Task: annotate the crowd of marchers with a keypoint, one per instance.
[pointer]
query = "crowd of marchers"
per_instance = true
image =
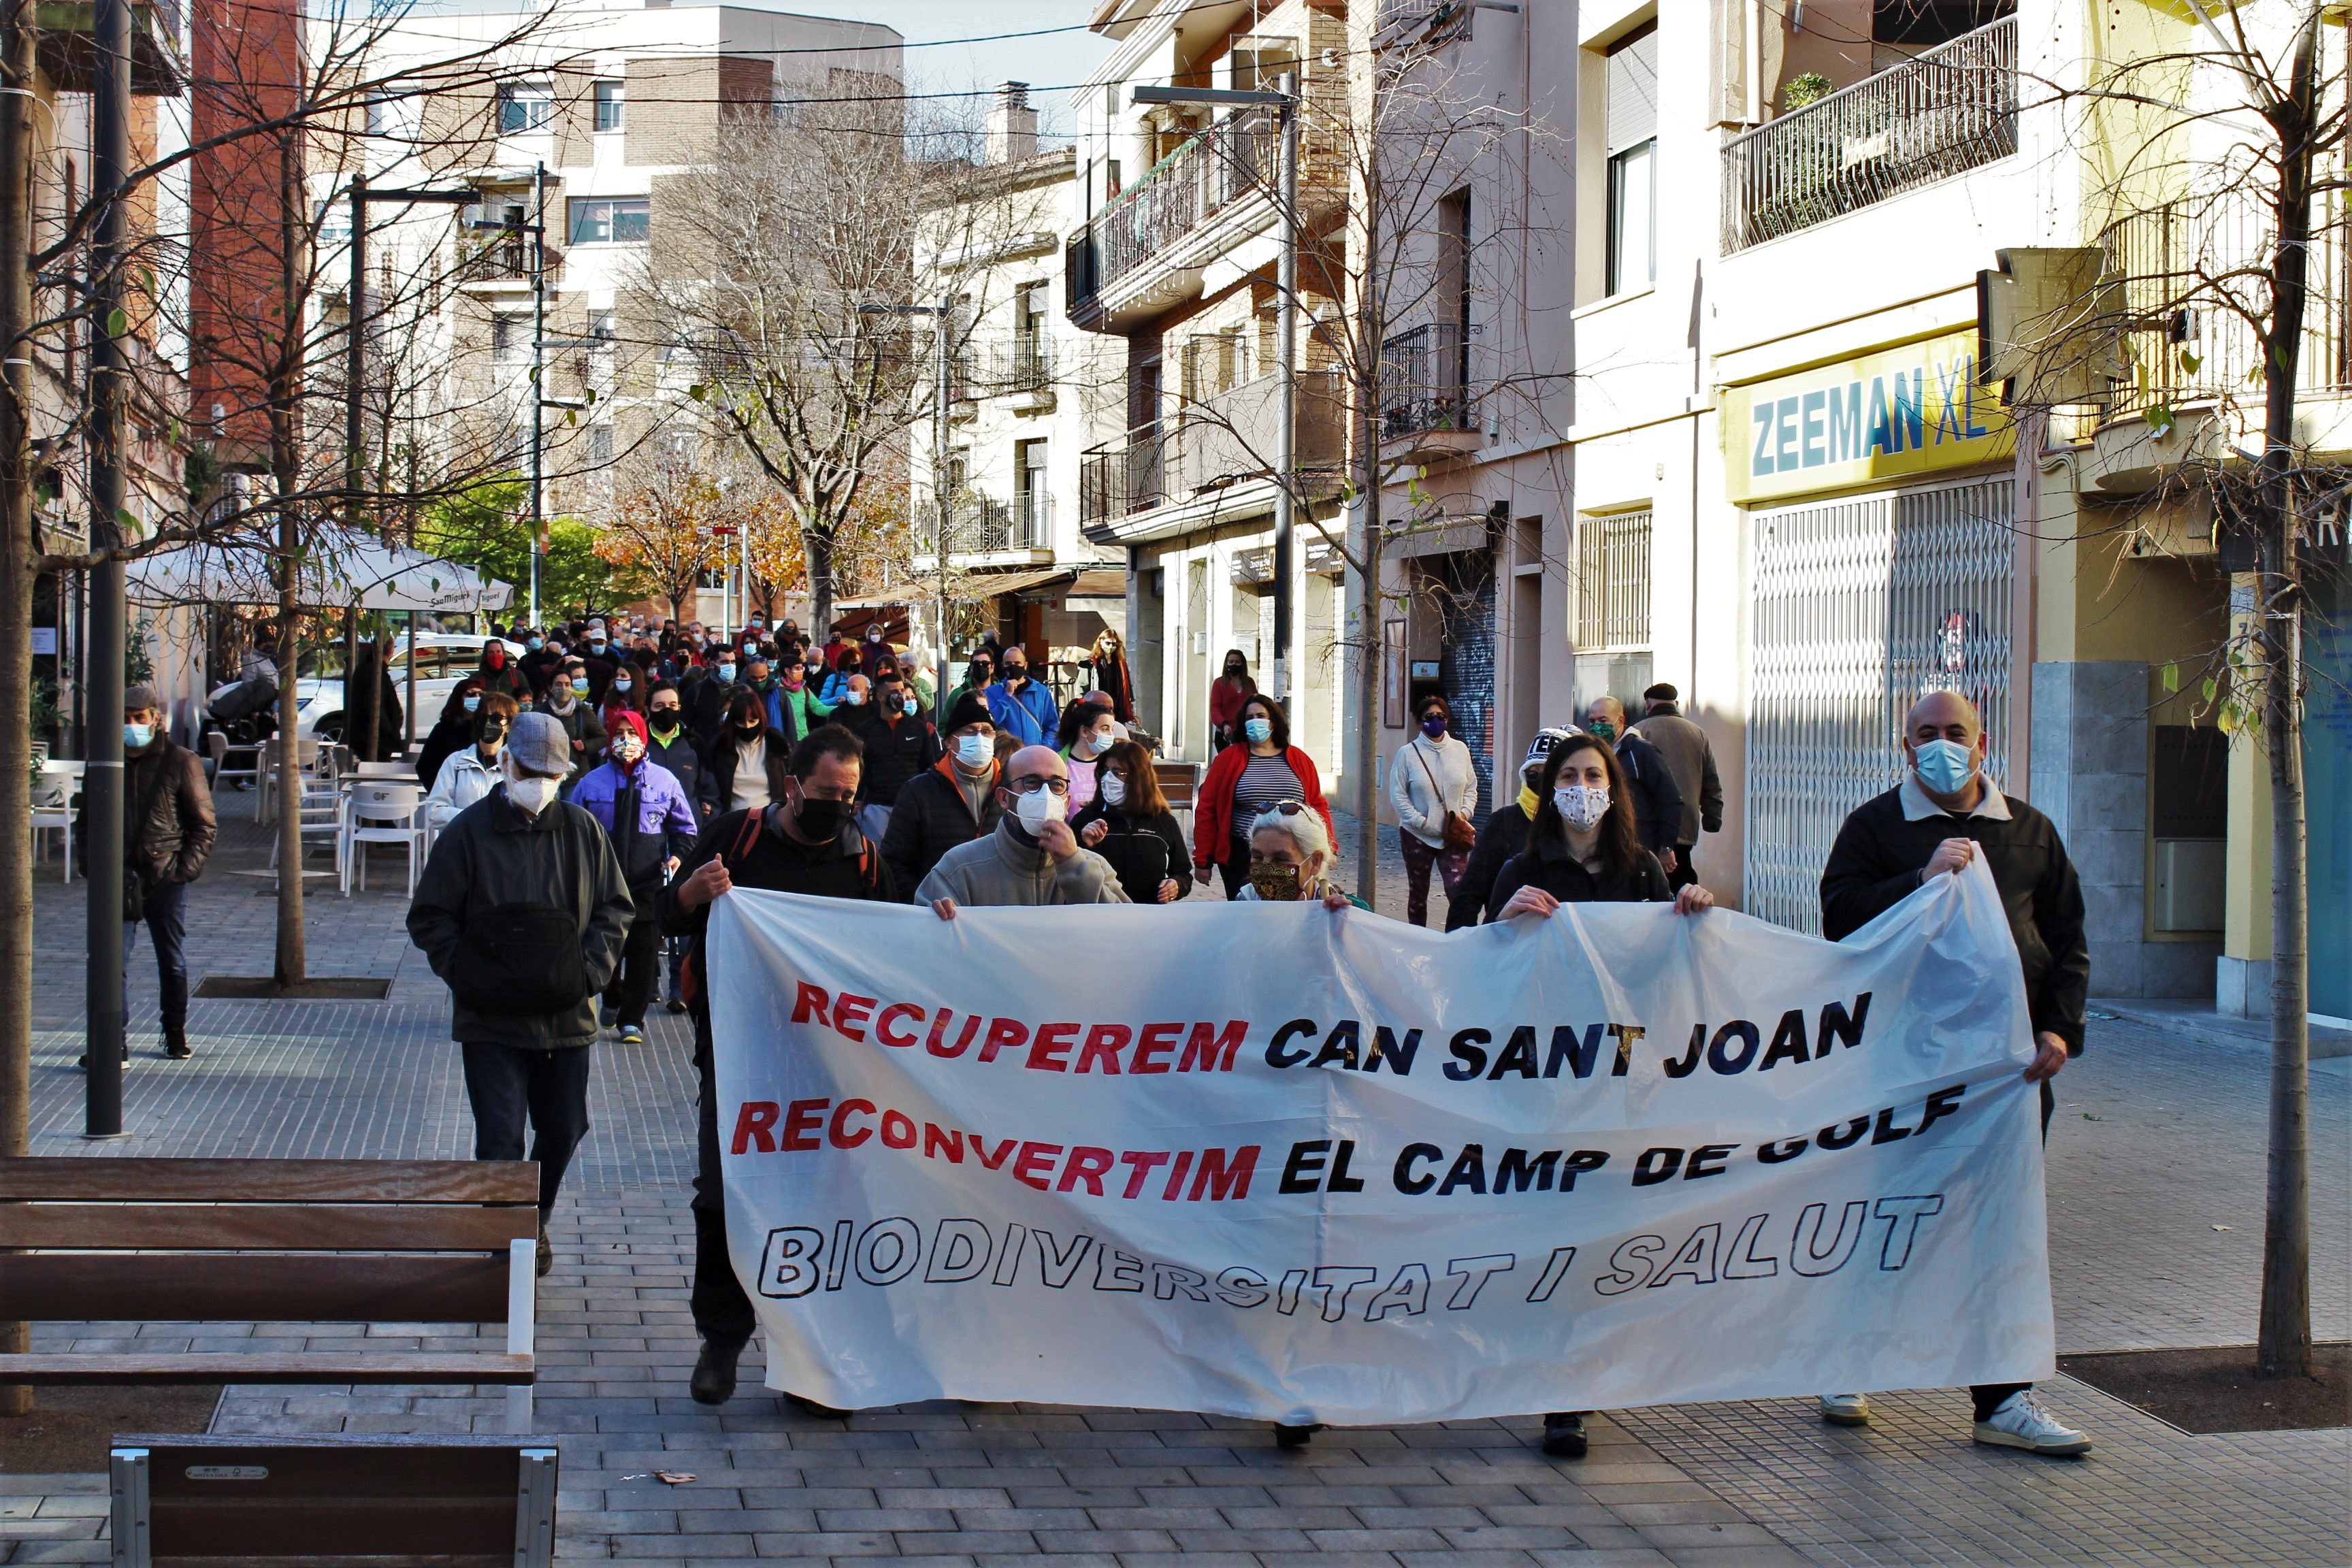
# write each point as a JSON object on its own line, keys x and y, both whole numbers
{"x": 595, "y": 796}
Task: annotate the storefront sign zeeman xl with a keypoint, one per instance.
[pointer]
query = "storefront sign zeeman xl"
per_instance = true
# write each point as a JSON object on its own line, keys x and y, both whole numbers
{"x": 1902, "y": 411}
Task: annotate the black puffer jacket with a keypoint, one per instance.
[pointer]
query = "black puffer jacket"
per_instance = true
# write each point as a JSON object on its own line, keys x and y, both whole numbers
{"x": 930, "y": 819}
{"x": 776, "y": 758}
{"x": 172, "y": 843}
{"x": 896, "y": 755}
{"x": 490, "y": 855}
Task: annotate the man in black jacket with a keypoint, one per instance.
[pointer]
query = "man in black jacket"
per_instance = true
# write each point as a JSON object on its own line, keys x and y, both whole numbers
{"x": 952, "y": 803}
{"x": 900, "y": 746}
{"x": 1943, "y": 815}
{"x": 1657, "y": 803}
{"x": 807, "y": 843}
{"x": 522, "y": 910}
{"x": 1505, "y": 834}
{"x": 169, "y": 832}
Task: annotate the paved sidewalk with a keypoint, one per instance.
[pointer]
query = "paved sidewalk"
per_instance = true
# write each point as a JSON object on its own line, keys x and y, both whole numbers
{"x": 2155, "y": 1227}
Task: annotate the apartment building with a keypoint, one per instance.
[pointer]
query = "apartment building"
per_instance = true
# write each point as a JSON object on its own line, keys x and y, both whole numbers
{"x": 1002, "y": 477}
{"x": 593, "y": 107}
{"x": 1797, "y": 496}
{"x": 1172, "y": 265}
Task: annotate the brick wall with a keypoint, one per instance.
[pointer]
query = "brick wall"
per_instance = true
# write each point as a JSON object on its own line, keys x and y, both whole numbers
{"x": 676, "y": 103}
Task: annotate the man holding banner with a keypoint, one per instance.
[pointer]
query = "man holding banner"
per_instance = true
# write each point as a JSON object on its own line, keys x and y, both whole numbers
{"x": 1943, "y": 816}
{"x": 807, "y": 843}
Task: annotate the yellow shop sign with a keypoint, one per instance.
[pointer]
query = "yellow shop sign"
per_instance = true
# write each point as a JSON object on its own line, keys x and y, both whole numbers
{"x": 1900, "y": 411}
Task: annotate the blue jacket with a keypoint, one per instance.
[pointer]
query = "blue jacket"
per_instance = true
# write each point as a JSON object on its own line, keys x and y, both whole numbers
{"x": 1032, "y": 717}
{"x": 666, "y": 823}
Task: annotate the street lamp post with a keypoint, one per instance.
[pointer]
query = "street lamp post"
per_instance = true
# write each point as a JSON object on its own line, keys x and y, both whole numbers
{"x": 1285, "y": 103}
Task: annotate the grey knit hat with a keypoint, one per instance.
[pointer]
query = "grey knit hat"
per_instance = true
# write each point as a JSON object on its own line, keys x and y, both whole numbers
{"x": 539, "y": 745}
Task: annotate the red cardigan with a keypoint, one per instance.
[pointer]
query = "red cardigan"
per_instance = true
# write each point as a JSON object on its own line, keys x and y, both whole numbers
{"x": 1212, "y": 811}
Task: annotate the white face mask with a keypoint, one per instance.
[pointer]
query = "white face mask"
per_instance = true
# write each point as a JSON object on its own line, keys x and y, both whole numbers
{"x": 1113, "y": 789}
{"x": 530, "y": 792}
{"x": 1581, "y": 806}
{"x": 974, "y": 752}
{"x": 1039, "y": 807}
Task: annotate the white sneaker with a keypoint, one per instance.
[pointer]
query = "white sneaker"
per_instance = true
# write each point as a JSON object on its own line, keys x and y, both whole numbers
{"x": 2022, "y": 1422}
{"x": 1846, "y": 1409}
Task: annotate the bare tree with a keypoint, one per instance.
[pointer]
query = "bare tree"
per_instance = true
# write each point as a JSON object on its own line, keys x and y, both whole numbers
{"x": 786, "y": 268}
{"x": 2213, "y": 302}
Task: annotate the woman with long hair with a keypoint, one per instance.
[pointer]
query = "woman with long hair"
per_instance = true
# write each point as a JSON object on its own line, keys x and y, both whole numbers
{"x": 1127, "y": 823}
{"x": 1226, "y": 695}
{"x": 1583, "y": 849}
{"x": 1111, "y": 676}
{"x": 1245, "y": 778}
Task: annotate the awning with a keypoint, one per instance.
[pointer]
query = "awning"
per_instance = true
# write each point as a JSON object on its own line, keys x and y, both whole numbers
{"x": 342, "y": 567}
{"x": 971, "y": 585}
{"x": 1100, "y": 583}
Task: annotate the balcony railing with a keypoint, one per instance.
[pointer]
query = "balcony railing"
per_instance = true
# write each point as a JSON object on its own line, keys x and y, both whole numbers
{"x": 1217, "y": 442}
{"x": 1947, "y": 110}
{"x": 2195, "y": 274}
{"x": 984, "y": 525}
{"x": 1185, "y": 190}
{"x": 1423, "y": 383}
{"x": 1025, "y": 364}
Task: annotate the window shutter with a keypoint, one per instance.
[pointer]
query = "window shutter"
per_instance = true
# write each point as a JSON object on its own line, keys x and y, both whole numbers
{"x": 1633, "y": 92}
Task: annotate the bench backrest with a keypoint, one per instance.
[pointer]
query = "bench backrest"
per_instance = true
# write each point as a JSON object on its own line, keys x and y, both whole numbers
{"x": 483, "y": 1501}
{"x": 280, "y": 1240}
{"x": 1180, "y": 782}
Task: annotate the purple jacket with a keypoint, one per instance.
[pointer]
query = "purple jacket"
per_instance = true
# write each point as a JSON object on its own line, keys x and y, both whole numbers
{"x": 665, "y": 825}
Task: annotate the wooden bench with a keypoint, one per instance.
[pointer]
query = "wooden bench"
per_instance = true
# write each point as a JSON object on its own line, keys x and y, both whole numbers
{"x": 478, "y": 1502}
{"x": 1180, "y": 782}
{"x": 405, "y": 1241}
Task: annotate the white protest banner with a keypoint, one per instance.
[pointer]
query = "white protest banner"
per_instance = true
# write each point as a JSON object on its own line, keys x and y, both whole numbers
{"x": 1286, "y": 1162}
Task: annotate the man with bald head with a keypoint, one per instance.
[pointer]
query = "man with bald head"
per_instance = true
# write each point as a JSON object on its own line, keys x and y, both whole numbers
{"x": 1945, "y": 813}
{"x": 1032, "y": 858}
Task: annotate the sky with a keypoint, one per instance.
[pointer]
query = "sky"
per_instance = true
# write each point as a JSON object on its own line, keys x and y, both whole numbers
{"x": 1054, "y": 60}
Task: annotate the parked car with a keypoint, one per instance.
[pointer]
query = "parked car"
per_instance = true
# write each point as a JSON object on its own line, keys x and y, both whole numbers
{"x": 443, "y": 658}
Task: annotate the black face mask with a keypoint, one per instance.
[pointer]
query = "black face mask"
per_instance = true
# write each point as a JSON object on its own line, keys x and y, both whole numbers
{"x": 490, "y": 730}
{"x": 1015, "y": 672}
{"x": 821, "y": 820}
{"x": 747, "y": 730}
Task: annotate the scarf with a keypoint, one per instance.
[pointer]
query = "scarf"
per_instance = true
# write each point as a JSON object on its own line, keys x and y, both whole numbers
{"x": 1528, "y": 801}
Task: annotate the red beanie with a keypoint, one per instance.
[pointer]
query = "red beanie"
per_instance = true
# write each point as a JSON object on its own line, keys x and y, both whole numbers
{"x": 629, "y": 719}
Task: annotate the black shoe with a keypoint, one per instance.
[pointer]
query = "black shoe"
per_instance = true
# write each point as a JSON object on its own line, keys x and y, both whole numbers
{"x": 675, "y": 1005}
{"x": 175, "y": 1045}
{"x": 1295, "y": 1436}
{"x": 714, "y": 1374}
{"x": 546, "y": 1253}
{"x": 808, "y": 1406}
{"x": 1564, "y": 1434}
{"x": 82, "y": 1061}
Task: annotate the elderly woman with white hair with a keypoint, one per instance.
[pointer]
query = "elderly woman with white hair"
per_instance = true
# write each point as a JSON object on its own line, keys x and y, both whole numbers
{"x": 1290, "y": 858}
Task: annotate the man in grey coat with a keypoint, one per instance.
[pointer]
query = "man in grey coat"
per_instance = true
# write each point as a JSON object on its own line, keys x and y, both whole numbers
{"x": 522, "y": 910}
{"x": 1032, "y": 858}
{"x": 1691, "y": 760}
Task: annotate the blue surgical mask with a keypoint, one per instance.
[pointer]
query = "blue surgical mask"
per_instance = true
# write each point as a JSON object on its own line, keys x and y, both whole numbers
{"x": 580, "y": 684}
{"x": 726, "y": 672}
{"x": 535, "y": 644}
{"x": 472, "y": 703}
{"x": 1259, "y": 730}
{"x": 908, "y": 707}
{"x": 138, "y": 737}
{"x": 975, "y": 751}
{"x": 1944, "y": 767}
{"x": 621, "y": 683}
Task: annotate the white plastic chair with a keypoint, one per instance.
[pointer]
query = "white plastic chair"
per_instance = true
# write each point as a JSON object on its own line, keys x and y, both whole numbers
{"x": 319, "y": 809}
{"x": 381, "y": 812}
{"x": 247, "y": 768}
{"x": 53, "y": 806}
{"x": 384, "y": 770}
{"x": 309, "y": 758}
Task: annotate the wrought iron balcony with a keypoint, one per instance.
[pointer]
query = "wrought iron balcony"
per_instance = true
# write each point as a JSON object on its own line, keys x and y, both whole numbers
{"x": 1423, "y": 382}
{"x": 1184, "y": 191}
{"x": 1947, "y": 110}
{"x": 1210, "y": 445}
{"x": 984, "y": 525}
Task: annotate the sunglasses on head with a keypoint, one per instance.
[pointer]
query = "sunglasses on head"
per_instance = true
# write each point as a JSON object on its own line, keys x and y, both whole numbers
{"x": 1287, "y": 807}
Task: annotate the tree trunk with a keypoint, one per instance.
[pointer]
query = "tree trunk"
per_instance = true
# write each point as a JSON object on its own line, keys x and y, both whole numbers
{"x": 2284, "y": 1341}
{"x": 292, "y": 967}
{"x": 818, "y": 547}
{"x": 19, "y": 554}
{"x": 1372, "y": 644}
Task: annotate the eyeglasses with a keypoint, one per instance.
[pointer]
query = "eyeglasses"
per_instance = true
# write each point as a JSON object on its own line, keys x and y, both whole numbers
{"x": 1031, "y": 785}
{"x": 1287, "y": 807}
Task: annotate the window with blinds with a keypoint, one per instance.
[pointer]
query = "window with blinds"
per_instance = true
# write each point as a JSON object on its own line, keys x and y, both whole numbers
{"x": 1632, "y": 139}
{"x": 1613, "y": 583}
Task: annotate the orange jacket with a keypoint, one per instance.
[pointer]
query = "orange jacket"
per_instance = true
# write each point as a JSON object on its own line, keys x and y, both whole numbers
{"x": 1213, "y": 812}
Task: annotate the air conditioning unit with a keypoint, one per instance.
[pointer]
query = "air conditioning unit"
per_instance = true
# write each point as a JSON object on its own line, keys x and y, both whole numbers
{"x": 2190, "y": 893}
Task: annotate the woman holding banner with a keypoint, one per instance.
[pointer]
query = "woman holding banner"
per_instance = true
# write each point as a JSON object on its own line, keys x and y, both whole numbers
{"x": 1581, "y": 848}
